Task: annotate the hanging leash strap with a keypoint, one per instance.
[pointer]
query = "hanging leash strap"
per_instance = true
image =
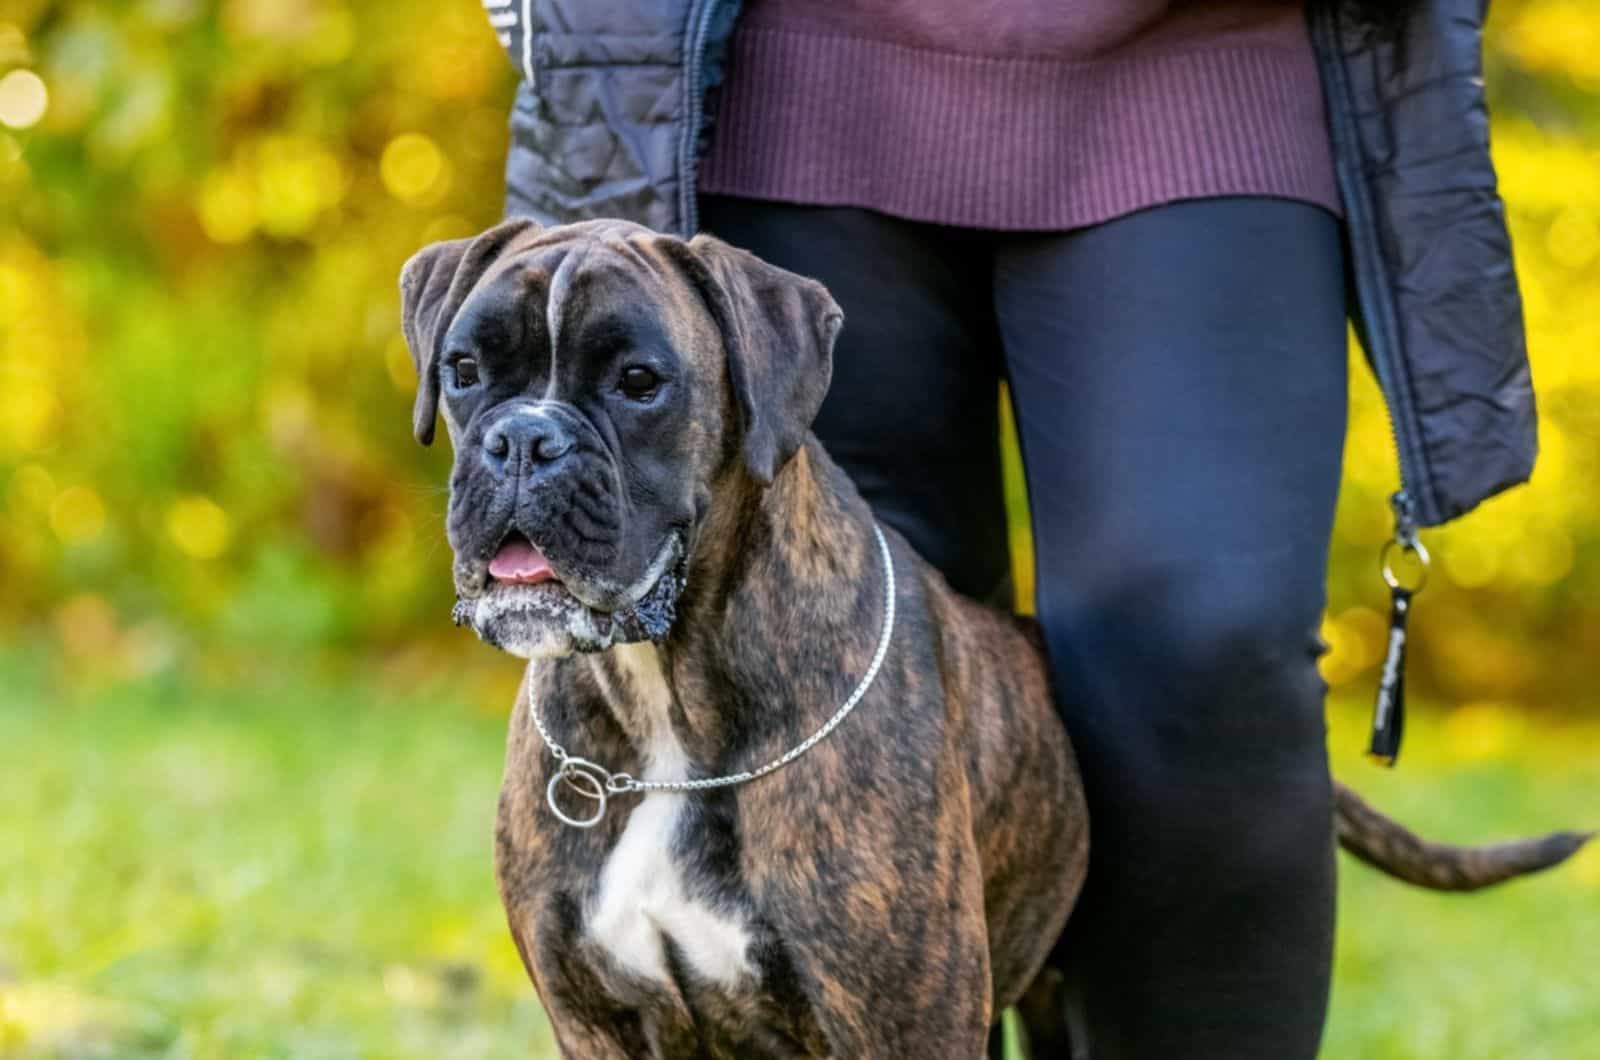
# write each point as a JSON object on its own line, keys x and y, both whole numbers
{"x": 1404, "y": 565}
{"x": 595, "y": 783}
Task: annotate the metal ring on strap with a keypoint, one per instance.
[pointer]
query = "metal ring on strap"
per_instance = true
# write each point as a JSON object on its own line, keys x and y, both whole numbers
{"x": 1411, "y": 547}
{"x": 583, "y": 777}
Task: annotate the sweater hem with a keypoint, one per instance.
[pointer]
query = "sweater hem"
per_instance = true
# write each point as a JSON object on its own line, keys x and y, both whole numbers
{"x": 1025, "y": 144}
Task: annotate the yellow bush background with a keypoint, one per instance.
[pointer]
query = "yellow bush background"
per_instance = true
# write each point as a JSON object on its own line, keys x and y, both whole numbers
{"x": 203, "y": 391}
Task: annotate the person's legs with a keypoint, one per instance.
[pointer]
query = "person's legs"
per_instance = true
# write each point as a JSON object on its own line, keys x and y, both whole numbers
{"x": 912, "y": 411}
{"x": 1179, "y": 377}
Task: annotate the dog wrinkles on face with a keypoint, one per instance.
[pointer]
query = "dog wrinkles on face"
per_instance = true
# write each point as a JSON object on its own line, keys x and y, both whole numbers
{"x": 642, "y": 895}
{"x": 555, "y": 302}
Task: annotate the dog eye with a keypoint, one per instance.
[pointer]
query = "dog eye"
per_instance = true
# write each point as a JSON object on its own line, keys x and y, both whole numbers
{"x": 466, "y": 372}
{"x": 638, "y": 382}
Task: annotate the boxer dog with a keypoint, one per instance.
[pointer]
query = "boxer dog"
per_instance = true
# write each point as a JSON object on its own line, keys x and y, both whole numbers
{"x": 772, "y": 789}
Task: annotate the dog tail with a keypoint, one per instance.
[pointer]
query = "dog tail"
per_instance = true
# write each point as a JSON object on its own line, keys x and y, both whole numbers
{"x": 1390, "y": 847}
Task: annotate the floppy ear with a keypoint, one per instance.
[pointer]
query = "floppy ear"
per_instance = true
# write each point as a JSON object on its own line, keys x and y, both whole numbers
{"x": 424, "y": 284}
{"x": 433, "y": 285}
{"x": 778, "y": 330}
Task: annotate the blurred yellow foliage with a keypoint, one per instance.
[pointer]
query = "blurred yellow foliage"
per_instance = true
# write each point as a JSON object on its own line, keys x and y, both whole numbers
{"x": 199, "y": 527}
{"x": 1481, "y": 731}
{"x": 227, "y": 205}
{"x": 78, "y": 514}
{"x": 1561, "y": 38}
{"x": 1586, "y": 866}
{"x": 206, "y": 208}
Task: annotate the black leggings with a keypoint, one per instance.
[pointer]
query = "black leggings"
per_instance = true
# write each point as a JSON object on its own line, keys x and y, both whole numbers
{"x": 1179, "y": 382}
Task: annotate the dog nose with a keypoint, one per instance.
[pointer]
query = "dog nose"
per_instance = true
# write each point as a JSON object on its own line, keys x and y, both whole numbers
{"x": 525, "y": 442}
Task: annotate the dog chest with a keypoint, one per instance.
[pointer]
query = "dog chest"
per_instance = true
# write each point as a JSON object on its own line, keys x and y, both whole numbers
{"x": 644, "y": 899}
{"x": 645, "y": 896}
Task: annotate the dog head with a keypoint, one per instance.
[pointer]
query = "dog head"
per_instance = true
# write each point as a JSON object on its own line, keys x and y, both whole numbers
{"x": 599, "y": 381}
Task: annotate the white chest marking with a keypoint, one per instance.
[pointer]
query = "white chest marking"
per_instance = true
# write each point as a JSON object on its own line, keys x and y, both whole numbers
{"x": 642, "y": 894}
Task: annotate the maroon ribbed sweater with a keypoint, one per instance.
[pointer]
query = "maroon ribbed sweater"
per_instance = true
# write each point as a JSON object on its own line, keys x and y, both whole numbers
{"x": 1020, "y": 114}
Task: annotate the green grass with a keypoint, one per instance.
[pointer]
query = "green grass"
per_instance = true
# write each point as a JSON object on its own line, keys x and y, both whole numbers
{"x": 295, "y": 869}
{"x": 299, "y": 866}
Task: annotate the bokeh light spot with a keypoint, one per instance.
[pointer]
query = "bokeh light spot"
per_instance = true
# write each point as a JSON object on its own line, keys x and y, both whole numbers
{"x": 284, "y": 21}
{"x": 1338, "y": 664}
{"x": 298, "y": 180}
{"x": 333, "y": 38}
{"x": 1573, "y": 238}
{"x": 1471, "y": 562}
{"x": 77, "y": 515}
{"x": 199, "y": 527}
{"x": 227, "y": 206}
{"x": 23, "y": 99}
{"x": 1366, "y": 633}
{"x": 411, "y": 166}
{"x": 1356, "y": 638}
{"x": 1544, "y": 558}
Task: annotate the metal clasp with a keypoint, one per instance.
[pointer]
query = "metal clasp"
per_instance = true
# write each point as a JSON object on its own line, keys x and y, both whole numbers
{"x": 1405, "y": 543}
{"x": 590, "y": 780}
{"x": 1420, "y": 560}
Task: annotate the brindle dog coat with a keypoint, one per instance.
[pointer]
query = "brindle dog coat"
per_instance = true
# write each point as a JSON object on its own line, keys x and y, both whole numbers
{"x": 698, "y": 588}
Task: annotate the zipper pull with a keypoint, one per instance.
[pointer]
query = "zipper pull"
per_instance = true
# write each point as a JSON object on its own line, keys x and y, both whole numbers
{"x": 1389, "y": 713}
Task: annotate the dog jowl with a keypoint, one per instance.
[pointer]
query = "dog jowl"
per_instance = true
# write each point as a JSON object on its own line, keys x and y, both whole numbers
{"x": 579, "y": 416}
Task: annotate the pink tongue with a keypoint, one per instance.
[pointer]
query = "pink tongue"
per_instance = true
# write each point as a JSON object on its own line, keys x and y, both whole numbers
{"x": 520, "y": 563}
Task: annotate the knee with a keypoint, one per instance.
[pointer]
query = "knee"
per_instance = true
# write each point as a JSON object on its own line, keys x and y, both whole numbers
{"x": 1195, "y": 709}
{"x": 1192, "y": 666}
{"x": 1210, "y": 629}
{"x": 1212, "y": 809}
{"x": 1197, "y": 712}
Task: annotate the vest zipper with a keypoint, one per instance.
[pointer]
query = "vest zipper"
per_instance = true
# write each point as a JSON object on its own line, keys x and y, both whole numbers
{"x": 1367, "y": 265}
{"x": 1413, "y": 503}
{"x": 698, "y": 24}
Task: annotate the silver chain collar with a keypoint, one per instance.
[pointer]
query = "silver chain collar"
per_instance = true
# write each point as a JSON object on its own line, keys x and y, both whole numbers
{"x": 596, "y": 783}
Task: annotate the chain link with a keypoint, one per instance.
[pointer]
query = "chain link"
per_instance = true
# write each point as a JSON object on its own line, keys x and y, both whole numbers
{"x": 623, "y": 783}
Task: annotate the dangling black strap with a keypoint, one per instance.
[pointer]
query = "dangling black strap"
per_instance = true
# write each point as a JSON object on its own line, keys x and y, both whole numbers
{"x": 1389, "y": 715}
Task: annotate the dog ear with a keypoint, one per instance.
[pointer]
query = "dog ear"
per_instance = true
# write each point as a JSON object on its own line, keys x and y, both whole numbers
{"x": 433, "y": 285}
{"x": 778, "y": 330}
{"x": 424, "y": 284}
